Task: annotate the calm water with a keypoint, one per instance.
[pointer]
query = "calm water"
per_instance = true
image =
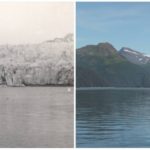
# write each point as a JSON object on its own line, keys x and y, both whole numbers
{"x": 113, "y": 118}
{"x": 36, "y": 117}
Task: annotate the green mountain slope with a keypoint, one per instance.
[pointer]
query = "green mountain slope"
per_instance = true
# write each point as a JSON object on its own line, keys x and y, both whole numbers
{"x": 102, "y": 65}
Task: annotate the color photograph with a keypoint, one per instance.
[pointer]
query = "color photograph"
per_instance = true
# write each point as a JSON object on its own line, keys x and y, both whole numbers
{"x": 113, "y": 74}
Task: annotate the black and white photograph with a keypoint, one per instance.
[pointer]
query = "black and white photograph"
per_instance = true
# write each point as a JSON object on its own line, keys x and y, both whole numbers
{"x": 36, "y": 74}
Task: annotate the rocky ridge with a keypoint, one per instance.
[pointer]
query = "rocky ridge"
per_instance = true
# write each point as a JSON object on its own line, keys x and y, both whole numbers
{"x": 102, "y": 65}
{"x": 134, "y": 56}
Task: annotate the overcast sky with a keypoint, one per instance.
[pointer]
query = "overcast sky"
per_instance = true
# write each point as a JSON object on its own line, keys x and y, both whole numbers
{"x": 122, "y": 24}
{"x": 34, "y": 22}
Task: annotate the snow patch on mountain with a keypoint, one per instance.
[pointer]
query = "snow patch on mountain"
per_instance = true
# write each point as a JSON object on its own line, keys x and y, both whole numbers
{"x": 147, "y": 55}
{"x": 129, "y": 51}
{"x": 134, "y": 56}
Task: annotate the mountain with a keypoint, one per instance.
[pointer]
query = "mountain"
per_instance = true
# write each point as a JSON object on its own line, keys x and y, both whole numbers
{"x": 67, "y": 38}
{"x": 102, "y": 65}
{"x": 46, "y": 63}
{"x": 134, "y": 56}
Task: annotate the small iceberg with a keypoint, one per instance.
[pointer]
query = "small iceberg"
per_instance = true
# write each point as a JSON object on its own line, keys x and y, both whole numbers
{"x": 68, "y": 89}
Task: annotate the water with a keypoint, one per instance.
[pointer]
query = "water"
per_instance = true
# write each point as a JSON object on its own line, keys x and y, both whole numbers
{"x": 113, "y": 117}
{"x": 36, "y": 117}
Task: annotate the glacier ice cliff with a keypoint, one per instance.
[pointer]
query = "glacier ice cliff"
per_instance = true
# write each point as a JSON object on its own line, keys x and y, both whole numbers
{"x": 46, "y": 63}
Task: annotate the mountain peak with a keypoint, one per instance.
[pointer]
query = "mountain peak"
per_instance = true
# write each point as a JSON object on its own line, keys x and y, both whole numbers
{"x": 66, "y": 38}
{"x": 105, "y": 43}
{"x": 134, "y": 56}
{"x": 107, "y": 46}
{"x": 101, "y": 49}
{"x": 129, "y": 50}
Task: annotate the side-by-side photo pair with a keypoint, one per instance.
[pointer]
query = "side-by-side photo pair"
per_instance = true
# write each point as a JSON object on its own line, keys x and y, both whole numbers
{"x": 74, "y": 74}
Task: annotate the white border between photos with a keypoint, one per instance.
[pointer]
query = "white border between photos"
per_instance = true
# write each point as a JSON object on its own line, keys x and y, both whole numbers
{"x": 74, "y": 74}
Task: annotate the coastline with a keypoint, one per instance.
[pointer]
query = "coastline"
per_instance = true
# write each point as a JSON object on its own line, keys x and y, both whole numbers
{"x": 111, "y": 88}
{"x": 5, "y": 86}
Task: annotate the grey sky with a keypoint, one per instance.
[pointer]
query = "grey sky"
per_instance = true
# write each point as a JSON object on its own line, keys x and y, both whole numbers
{"x": 34, "y": 22}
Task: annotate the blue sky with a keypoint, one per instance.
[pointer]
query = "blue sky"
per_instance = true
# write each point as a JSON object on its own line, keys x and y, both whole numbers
{"x": 122, "y": 24}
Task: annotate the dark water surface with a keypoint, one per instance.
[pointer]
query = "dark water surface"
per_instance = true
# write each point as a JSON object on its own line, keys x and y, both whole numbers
{"x": 113, "y": 118}
{"x": 36, "y": 117}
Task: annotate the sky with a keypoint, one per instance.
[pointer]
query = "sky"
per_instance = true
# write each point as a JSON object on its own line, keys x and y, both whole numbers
{"x": 123, "y": 24}
{"x": 34, "y": 22}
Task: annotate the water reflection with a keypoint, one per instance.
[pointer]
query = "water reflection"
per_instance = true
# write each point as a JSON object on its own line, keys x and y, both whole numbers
{"x": 113, "y": 118}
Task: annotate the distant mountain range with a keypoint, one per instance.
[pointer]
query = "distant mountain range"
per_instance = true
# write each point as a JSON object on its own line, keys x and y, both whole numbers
{"x": 45, "y": 63}
{"x": 102, "y": 65}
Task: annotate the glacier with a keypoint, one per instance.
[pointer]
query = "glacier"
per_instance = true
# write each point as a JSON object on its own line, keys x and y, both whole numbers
{"x": 46, "y": 63}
